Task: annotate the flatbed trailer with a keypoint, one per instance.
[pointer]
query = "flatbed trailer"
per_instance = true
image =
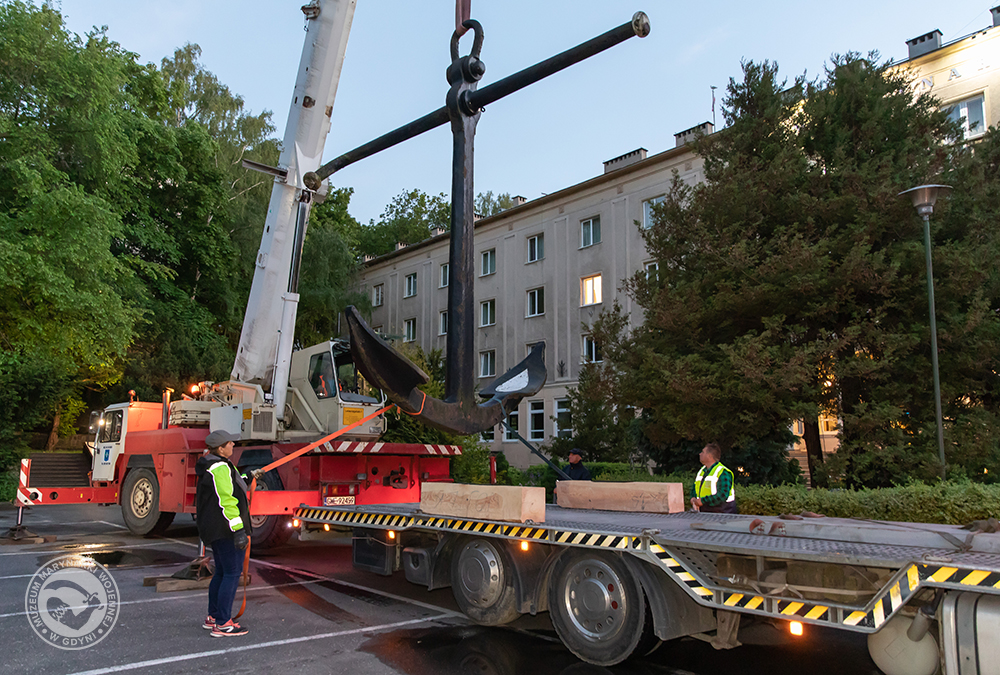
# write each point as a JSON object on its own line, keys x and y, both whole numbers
{"x": 616, "y": 584}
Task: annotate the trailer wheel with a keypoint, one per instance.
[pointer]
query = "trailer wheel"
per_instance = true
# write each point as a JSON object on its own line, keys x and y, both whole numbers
{"x": 141, "y": 503}
{"x": 482, "y": 580}
{"x": 596, "y": 606}
{"x": 269, "y": 531}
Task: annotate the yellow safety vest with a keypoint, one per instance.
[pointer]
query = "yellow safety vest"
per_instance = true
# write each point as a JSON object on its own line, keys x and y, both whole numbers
{"x": 705, "y": 482}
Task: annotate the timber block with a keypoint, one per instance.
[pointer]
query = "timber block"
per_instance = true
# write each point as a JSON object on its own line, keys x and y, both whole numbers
{"x": 607, "y": 496}
{"x": 512, "y": 503}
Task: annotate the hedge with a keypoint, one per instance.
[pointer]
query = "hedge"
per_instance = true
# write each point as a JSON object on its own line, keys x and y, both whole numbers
{"x": 947, "y": 502}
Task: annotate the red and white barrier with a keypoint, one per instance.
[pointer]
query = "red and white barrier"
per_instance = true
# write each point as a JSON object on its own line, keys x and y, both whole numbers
{"x": 27, "y": 496}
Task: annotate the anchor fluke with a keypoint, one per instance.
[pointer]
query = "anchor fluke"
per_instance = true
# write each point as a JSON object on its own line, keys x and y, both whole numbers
{"x": 385, "y": 367}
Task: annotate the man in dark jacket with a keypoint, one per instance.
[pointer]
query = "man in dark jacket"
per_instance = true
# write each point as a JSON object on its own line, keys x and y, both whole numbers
{"x": 223, "y": 516}
{"x": 576, "y": 470}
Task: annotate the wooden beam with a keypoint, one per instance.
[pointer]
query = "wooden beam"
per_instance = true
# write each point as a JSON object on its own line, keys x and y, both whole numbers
{"x": 607, "y": 496}
{"x": 487, "y": 502}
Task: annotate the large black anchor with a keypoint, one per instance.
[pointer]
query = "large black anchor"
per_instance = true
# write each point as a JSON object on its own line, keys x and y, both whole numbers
{"x": 385, "y": 367}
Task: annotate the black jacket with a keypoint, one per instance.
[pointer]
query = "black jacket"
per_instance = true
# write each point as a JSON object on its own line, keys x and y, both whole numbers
{"x": 221, "y": 499}
{"x": 577, "y": 471}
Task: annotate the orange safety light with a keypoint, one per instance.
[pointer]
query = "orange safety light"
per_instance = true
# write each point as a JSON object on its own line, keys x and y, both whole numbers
{"x": 392, "y": 535}
{"x": 195, "y": 389}
{"x": 795, "y": 628}
{"x": 326, "y": 526}
{"x": 295, "y": 522}
{"x": 524, "y": 546}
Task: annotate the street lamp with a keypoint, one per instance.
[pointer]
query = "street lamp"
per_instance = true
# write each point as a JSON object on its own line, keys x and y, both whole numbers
{"x": 924, "y": 198}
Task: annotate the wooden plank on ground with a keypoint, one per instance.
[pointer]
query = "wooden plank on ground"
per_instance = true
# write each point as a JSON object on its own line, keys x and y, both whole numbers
{"x": 607, "y": 496}
{"x": 486, "y": 502}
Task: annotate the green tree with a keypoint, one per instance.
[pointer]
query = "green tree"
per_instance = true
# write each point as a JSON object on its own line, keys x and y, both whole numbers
{"x": 792, "y": 280}
{"x": 487, "y": 205}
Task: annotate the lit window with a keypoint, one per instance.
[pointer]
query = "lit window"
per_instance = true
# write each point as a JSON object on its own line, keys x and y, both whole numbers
{"x": 564, "y": 420}
{"x": 443, "y": 323}
{"x": 409, "y": 330}
{"x": 591, "y": 350}
{"x": 536, "y": 421}
{"x": 378, "y": 295}
{"x": 590, "y": 232}
{"x": 536, "y": 247}
{"x": 515, "y": 426}
{"x": 969, "y": 115}
{"x": 647, "y": 211}
{"x": 410, "y": 285}
{"x": 488, "y": 363}
{"x": 536, "y": 302}
{"x": 487, "y": 313}
{"x": 590, "y": 290}
{"x": 489, "y": 262}
{"x": 445, "y": 275}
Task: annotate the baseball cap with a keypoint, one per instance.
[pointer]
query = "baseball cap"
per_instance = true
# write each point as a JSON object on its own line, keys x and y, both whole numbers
{"x": 576, "y": 451}
{"x": 217, "y": 439}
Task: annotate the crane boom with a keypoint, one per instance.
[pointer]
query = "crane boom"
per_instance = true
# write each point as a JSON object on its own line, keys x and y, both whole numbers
{"x": 266, "y": 340}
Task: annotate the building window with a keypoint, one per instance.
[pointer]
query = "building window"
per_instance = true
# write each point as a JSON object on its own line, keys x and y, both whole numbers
{"x": 652, "y": 270}
{"x": 489, "y": 262}
{"x": 536, "y": 302}
{"x": 536, "y": 247}
{"x": 377, "y": 330}
{"x": 590, "y": 232}
{"x": 487, "y": 313}
{"x": 647, "y": 210}
{"x": 378, "y": 295}
{"x": 564, "y": 419}
{"x": 536, "y": 421}
{"x": 410, "y": 285}
{"x": 488, "y": 363}
{"x": 488, "y": 435}
{"x": 969, "y": 115}
{"x": 409, "y": 330}
{"x": 590, "y": 290}
{"x": 443, "y": 323}
{"x": 445, "y": 275}
{"x": 515, "y": 427}
{"x": 591, "y": 350}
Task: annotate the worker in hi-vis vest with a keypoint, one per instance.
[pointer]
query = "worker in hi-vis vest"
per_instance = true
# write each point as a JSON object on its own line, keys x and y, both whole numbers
{"x": 713, "y": 486}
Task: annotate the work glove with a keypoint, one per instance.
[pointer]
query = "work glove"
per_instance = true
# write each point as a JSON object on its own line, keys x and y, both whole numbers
{"x": 241, "y": 540}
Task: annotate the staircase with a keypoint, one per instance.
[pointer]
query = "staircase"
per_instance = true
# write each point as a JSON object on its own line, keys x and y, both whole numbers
{"x": 59, "y": 469}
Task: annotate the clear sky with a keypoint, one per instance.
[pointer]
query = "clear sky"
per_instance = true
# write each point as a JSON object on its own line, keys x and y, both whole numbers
{"x": 539, "y": 140}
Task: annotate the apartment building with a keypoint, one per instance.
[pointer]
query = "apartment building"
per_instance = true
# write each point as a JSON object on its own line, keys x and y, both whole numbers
{"x": 546, "y": 268}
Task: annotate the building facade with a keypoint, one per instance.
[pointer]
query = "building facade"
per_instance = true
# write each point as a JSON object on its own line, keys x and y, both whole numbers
{"x": 546, "y": 268}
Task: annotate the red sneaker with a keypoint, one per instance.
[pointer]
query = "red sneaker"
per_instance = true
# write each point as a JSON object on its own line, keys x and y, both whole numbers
{"x": 209, "y": 623}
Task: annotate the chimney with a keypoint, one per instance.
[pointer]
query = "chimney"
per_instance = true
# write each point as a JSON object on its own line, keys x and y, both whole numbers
{"x": 519, "y": 200}
{"x": 368, "y": 257}
{"x": 919, "y": 46}
{"x": 625, "y": 160}
{"x": 688, "y": 135}
{"x": 437, "y": 231}
{"x": 996, "y": 16}
{"x": 400, "y": 245}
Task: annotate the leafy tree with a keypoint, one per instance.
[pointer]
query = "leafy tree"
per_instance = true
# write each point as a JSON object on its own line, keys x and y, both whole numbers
{"x": 792, "y": 280}
{"x": 408, "y": 219}
{"x": 487, "y": 205}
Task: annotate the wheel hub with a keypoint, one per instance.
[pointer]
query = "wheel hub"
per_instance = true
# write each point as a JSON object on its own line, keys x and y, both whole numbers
{"x": 481, "y": 573}
{"x": 142, "y": 498}
{"x": 594, "y": 599}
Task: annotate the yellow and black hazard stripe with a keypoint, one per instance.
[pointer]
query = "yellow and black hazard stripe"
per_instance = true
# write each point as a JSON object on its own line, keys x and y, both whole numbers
{"x": 592, "y": 540}
{"x": 956, "y": 577}
{"x": 678, "y": 571}
{"x": 314, "y": 515}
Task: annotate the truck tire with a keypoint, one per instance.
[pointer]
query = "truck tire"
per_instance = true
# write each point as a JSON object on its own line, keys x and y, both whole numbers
{"x": 141, "y": 503}
{"x": 597, "y": 608}
{"x": 482, "y": 580}
{"x": 269, "y": 531}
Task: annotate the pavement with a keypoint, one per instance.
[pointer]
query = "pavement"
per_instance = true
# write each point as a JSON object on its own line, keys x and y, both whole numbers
{"x": 310, "y": 611}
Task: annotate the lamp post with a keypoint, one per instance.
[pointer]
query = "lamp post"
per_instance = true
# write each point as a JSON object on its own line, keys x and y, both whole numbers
{"x": 924, "y": 198}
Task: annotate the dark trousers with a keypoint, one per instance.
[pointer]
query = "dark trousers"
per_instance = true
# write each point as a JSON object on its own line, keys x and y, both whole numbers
{"x": 225, "y": 581}
{"x": 724, "y": 507}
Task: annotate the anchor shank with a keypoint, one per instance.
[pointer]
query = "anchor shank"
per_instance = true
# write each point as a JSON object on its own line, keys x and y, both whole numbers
{"x": 460, "y": 353}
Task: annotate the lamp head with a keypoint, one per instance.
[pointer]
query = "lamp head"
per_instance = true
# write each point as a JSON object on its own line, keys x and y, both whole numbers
{"x": 925, "y": 196}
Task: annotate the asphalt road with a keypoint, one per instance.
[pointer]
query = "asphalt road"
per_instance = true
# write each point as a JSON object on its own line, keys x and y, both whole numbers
{"x": 309, "y": 611}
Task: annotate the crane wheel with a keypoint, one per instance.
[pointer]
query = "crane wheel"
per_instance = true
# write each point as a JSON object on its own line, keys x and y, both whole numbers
{"x": 269, "y": 531}
{"x": 141, "y": 503}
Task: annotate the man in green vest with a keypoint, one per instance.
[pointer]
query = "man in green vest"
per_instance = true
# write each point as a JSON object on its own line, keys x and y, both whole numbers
{"x": 713, "y": 486}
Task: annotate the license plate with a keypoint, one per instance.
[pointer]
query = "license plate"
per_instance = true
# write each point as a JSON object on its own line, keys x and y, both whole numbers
{"x": 339, "y": 501}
